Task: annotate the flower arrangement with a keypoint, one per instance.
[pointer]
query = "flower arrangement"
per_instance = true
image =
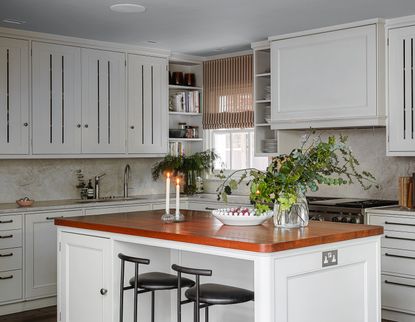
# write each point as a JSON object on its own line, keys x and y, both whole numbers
{"x": 329, "y": 162}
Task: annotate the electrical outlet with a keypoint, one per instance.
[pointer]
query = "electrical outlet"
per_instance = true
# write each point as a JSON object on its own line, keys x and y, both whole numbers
{"x": 329, "y": 258}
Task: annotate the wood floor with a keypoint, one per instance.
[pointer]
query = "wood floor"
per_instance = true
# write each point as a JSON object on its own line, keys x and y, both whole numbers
{"x": 47, "y": 314}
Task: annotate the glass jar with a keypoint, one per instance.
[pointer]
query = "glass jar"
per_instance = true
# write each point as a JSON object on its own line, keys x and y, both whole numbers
{"x": 295, "y": 217}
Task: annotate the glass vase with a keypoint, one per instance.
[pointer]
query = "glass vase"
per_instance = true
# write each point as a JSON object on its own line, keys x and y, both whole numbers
{"x": 295, "y": 217}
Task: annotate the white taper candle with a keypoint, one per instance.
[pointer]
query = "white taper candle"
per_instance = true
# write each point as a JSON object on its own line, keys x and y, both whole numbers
{"x": 177, "y": 196}
{"x": 168, "y": 193}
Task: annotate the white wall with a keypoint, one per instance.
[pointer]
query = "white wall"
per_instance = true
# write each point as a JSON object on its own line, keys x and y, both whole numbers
{"x": 56, "y": 179}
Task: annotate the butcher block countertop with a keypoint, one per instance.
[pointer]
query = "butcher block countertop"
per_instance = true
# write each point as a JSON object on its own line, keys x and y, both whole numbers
{"x": 202, "y": 228}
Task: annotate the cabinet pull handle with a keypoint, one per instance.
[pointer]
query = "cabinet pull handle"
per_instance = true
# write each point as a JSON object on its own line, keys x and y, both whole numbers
{"x": 6, "y": 236}
{"x": 209, "y": 208}
{"x": 26, "y": 124}
{"x": 398, "y": 224}
{"x": 6, "y": 255}
{"x": 51, "y": 218}
{"x": 132, "y": 127}
{"x": 399, "y": 238}
{"x": 86, "y": 126}
{"x": 78, "y": 126}
{"x": 103, "y": 291}
{"x": 399, "y": 284}
{"x": 6, "y": 277}
{"x": 6, "y": 221}
{"x": 399, "y": 256}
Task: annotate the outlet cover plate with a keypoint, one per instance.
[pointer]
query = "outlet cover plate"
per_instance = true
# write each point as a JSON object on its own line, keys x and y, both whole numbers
{"x": 329, "y": 258}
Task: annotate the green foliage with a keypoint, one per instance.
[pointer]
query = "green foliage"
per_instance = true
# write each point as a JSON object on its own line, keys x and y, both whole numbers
{"x": 328, "y": 162}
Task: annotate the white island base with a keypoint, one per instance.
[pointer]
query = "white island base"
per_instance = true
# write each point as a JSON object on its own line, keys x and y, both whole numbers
{"x": 290, "y": 286}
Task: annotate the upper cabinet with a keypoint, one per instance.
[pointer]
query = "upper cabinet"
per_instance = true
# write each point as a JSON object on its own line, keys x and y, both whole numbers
{"x": 330, "y": 77}
{"x": 14, "y": 96}
{"x": 401, "y": 127}
{"x": 56, "y": 79}
{"x": 103, "y": 101}
{"x": 147, "y": 105}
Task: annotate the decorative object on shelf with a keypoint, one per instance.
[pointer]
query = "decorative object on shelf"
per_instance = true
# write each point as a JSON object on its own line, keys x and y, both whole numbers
{"x": 177, "y": 78}
{"x": 177, "y": 133}
{"x": 267, "y": 113}
{"x": 241, "y": 216}
{"x": 178, "y": 216}
{"x": 190, "y": 79}
{"x": 269, "y": 145}
{"x": 25, "y": 202}
{"x": 289, "y": 177}
{"x": 188, "y": 167}
{"x": 199, "y": 184}
{"x": 406, "y": 187}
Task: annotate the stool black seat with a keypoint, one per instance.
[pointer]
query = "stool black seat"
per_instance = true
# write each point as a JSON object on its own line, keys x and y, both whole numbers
{"x": 205, "y": 295}
{"x": 158, "y": 281}
{"x": 146, "y": 282}
{"x": 219, "y": 294}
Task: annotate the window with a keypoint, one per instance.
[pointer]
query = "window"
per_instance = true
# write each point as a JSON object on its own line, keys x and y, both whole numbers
{"x": 235, "y": 148}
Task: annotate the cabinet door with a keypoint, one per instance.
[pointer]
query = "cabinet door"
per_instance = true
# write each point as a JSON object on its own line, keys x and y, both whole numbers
{"x": 147, "y": 104}
{"x": 14, "y": 96}
{"x": 85, "y": 273}
{"x": 103, "y": 102}
{"x": 40, "y": 243}
{"x": 401, "y": 90}
{"x": 330, "y": 77}
{"x": 56, "y": 99}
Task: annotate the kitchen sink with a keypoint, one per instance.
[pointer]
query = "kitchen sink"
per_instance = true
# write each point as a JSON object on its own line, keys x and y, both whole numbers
{"x": 111, "y": 198}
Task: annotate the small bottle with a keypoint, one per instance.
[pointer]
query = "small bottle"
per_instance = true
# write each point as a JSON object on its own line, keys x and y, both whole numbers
{"x": 199, "y": 184}
{"x": 90, "y": 190}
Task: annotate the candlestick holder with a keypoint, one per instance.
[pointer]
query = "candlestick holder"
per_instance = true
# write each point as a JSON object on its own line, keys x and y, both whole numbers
{"x": 178, "y": 217}
{"x": 168, "y": 218}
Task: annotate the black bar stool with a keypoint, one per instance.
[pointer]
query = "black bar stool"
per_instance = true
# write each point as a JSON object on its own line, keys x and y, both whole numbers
{"x": 147, "y": 282}
{"x": 205, "y": 295}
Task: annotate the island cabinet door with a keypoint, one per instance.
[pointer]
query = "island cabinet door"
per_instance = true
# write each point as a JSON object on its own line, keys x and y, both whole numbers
{"x": 339, "y": 283}
{"x": 84, "y": 279}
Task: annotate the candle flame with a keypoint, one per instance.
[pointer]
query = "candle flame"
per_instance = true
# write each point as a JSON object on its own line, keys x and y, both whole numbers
{"x": 178, "y": 181}
{"x": 257, "y": 192}
{"x": 168, "y": 174}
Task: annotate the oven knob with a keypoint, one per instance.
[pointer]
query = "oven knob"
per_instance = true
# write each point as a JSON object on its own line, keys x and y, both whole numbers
{"x": 335, "y": 219}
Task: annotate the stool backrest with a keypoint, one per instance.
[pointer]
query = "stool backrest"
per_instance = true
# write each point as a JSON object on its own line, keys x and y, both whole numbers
{"x": 192, "y": 271}
{"x": 131, "y": 259}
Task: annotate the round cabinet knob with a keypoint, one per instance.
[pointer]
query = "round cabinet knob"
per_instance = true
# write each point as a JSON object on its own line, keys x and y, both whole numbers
{"x": 103, "y": 291}
{"x": 26, "y": 124}
{"x": 132, "y": 127}
{"x": 86, "y": 126}
{"x": 78, "y": 126}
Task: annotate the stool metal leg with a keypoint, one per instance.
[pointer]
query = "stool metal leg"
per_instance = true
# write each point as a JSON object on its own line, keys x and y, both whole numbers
{"x": 153, "y": 299}
{"x": 179, "y": 297}
{"x": 207, "y": 314}
{"x": 122, "y": 292}
{"x": 135, "y": 292}
{"x": 197, "y": 303}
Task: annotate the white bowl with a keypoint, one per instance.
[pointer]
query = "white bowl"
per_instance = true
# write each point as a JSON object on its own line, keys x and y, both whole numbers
{"x": 227, "y": 217}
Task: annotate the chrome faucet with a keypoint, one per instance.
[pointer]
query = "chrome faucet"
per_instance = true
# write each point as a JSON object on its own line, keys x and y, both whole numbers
{"x": 126, "y": 178}
{"x": 97, "y": 180}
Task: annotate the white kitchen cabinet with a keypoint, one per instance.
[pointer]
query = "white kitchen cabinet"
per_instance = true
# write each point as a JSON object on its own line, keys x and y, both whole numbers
{"x": 56, "y": 79}
{"x": 14, "y": 96}
{"x": 85, "y": 280}
{"x": 147, "y": 105}
{"x": 40, "y": 250}
{"x": 401, "y": 119}
{"x": 103, "y": 101}
{"x": 328, "y": 78}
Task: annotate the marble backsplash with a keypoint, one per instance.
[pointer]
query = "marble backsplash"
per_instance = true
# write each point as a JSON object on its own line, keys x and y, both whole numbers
{"x": 56, "y": 179}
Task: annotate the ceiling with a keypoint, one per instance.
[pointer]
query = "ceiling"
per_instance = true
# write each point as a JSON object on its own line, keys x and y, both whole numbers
{"x": 197, "y": 27}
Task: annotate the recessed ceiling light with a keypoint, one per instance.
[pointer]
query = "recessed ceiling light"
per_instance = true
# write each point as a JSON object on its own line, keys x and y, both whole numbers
{"x": 152, "y": 41}
{"x": 13, "y": 21}
{"x": 219, "y": 49}
{"x": 128, "y": 8}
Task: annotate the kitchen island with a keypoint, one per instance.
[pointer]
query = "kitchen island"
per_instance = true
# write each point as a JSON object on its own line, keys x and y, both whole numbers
{"x": 326, "y": 272}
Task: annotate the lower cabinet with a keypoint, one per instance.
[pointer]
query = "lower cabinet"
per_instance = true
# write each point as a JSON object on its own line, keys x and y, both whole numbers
{"x": 40, "y": 250}
{"x": 86, "y": 293}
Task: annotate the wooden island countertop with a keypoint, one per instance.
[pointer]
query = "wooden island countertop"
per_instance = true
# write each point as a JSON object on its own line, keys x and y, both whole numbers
{"x": 202, "y": 228}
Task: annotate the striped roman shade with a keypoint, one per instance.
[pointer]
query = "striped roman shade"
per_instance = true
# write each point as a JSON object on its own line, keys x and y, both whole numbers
{"x": 228, "y": 90}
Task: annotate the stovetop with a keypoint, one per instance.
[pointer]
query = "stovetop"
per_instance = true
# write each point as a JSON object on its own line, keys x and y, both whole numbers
{"x": 350, "y": 202}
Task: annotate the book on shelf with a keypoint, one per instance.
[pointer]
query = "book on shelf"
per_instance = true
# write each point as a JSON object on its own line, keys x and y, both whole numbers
{"x": 176, "y": 149}
{"x": 185, "y": 102}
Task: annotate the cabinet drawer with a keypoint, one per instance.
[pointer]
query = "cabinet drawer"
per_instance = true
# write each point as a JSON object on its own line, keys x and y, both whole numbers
{"x": 399, "y": 240}
{"x": 10, "y": 238}
{"x": 10, "y": 222}
{"x": 398, "y": 294}
{"x": 396, "y": 261}
{"x": 133, "y": 208}
{"x": 10, "y": 285}
{"x": 10, "y": 259}
{"x": 394, "y": 223}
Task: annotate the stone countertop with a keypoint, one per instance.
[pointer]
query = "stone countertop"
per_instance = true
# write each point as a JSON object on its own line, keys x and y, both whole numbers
{"x": 392, "y": 210}
{"x": 12, "y": 208}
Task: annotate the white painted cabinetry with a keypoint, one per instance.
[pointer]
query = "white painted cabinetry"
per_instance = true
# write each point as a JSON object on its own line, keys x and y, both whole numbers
{"x": 14, "y": 96}
{"x": 147, "y": 105}
{"x": 330, "y": 77}
{"x": 85, "y": 280}
{"x": 103, "y": 101}
{"x": 56, "y": 79}
{"x": 401, "y": 125}
{"x": 40, "y": 250}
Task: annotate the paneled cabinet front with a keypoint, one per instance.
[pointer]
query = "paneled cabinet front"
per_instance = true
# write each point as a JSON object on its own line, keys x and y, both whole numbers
{"x": 401, "y": 128}
{"x": 103, "y": 102}
{"x": 56, "y": 99}
{"x": 14, "y": 96}
{"x": 147, "y": 104}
